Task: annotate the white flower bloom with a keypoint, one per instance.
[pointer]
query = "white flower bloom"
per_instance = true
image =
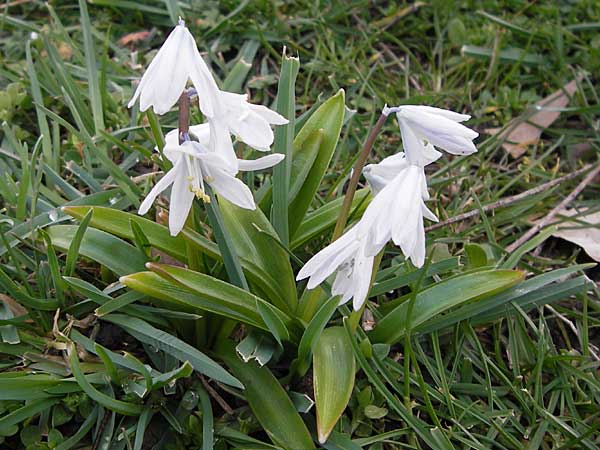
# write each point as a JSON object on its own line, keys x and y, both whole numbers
{"x": 346, "y": 256}
{"x": 165, "y": 79}
{"x": 249, "y": 123}
{"x": 397, "y": 210}
{"x": 193, "y": 165}
{"x": 421, "y": 125}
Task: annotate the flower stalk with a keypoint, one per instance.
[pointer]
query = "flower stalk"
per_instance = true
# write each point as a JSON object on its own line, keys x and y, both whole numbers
{"x": 356, "y": 171}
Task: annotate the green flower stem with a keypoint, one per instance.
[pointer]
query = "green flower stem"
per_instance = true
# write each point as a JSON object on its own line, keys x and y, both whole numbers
{"x": 355, "y": 316}
{"x": 353, "y": 184}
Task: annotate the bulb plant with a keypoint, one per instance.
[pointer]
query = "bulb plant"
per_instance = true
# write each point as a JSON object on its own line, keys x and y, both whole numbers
{"x": 210, "y": 272}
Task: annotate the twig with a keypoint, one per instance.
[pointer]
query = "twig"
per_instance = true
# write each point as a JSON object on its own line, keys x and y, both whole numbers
{"x": 548, "y": 218}
{"x": 508, "y": 200}
{"x": 214, "y": 394}
{"x": 573, "y": 328}
{"x": 402, "y": 67}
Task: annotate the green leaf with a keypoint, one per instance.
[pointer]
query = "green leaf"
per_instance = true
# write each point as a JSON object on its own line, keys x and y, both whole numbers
{"x": 208, "y": 297}
{"x": 73, "y": 251}
{"x": 328, "y": 118}
{"x": 25, "y": 412}
{"x": 333, "y": 376}
{"x": 319, "y": 221}
{"x": 476, "y": 255}
{"x": 228, "y": 249}
{"x": 273, "y": 320}
{"x": 85, "y": 427}
{"x": 109, "y": 251}
{"x": 269, "y": 401}
{"x": 442, "y": 296}
{"x": 173, "y": 346}
{"x": 119, "y": 223}
{"x": 91, "y": 68}
{"x": 221, "y": 297}
{"x": 125, "y": 408}
{"x": 283, "y": 143}
{"x": 258, "y": 245}
{"x": 312, "y": 333}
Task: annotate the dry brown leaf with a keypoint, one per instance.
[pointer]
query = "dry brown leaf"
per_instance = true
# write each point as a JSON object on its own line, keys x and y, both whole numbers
{"x": 15, "y": 307}
{"x": 65, "y": 51}
{"x": 132, "y": 38}
{"x": 529, "y": 129}
{"x": 576, "y": 232}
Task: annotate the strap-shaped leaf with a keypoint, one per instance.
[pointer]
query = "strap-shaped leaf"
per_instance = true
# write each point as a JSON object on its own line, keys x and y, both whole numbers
{"x": 174, "y": 346}
{"x": 269, "y": 401}
{"x": 442, "y": 296}
{"x": 333, "y": 370}
{"x": 125, "y": 408}
{"x": 318, "y": 136}
{"x": 200, "y": 291}
{"x": 109, "y": 251}
{"x": 255, "y": 240}
{"x": 119, "y": 223}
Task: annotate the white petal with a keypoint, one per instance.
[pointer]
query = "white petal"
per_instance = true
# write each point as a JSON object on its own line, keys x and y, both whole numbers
{"x": 203, "y": 81}
{"x": 172, "y": 137}
{"x": 162, "y": 184}
{"x": 166, "y": 76}
{"x": 181, "y": 203}
{"x": 260, "y": 163}
{"x": 232, "y": 189}
{"x": 454, "y": 116}
{"x": 363, "y": 270}
{"x": 337, "y": 259}
{"x": 428, "y": 214}
{"x": 274, "y": 118}
{"x": 253, "y": 130}
{"x": 441, "y": 132}
{"x": 322, "y": 257}
{"x": 417, "y": 255}
{"x": 379, "y": 175}
{"x": 430, "y": 154}
{"x": 220, "y": 143}
{"x": 202, "y": 133}
{"x": 414, "y": 147}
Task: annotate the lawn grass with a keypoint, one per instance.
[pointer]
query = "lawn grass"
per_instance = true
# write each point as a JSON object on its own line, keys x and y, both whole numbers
{"x": 522, "y": 375}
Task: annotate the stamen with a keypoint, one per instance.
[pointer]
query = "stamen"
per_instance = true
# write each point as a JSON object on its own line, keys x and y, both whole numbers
{"x": 201, "y": 195}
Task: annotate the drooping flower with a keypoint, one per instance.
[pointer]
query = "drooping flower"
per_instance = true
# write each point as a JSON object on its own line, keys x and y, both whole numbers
{"x": 421, "y": 125}
{"x": 165, "y": 79}
{"x": 193, "y": 165}
{"x": 346, "y": 256}
{"x": 248, "y": 122}
{"x": 397, "y": 213}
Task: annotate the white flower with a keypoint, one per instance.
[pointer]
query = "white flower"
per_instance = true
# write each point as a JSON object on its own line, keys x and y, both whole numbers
{"x": 421, "y": 125}
{"x": 397, "y": 210}
{"x": 249, "y": 123}
{"x": 165, "y": 79}
{"x": 193, "y": 165}
{"x": 346, "y": 256}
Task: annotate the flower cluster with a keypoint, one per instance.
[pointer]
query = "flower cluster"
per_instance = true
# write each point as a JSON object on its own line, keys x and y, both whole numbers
{"x": 398, "y": 208}
{"x": 206, "y": 154}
